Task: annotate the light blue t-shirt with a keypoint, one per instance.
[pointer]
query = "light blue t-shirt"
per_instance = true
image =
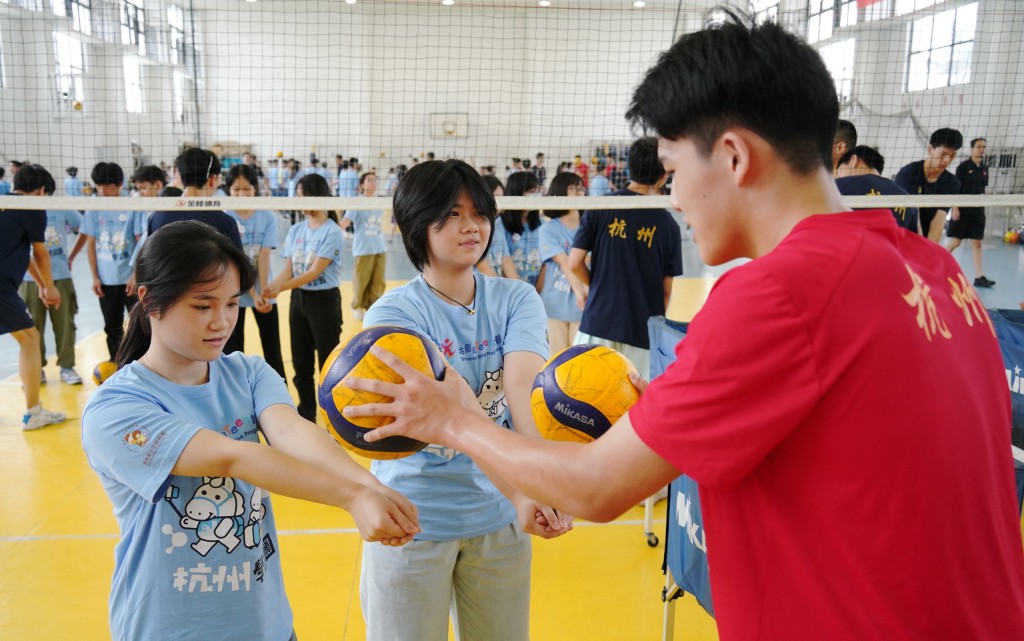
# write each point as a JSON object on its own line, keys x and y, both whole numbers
{"x": 59, "y": 225}
{"x": 559, "y": 301}
{"x": 73, "y": 186}
{"x": 368, "y": 238}
{"x": 257, "y": 232}
{"x": 115, "y": 233}
{"x": 304, "y": 245}
{"x": 599, "y": 186}
{"x": 348, "y": 183}
{"x": 198, "y": 558}
{"x": 5, "y": 188}
{"x": 455, "y": 499}
{"x": 525, "y": 251}
{"x": 499, "y": 247}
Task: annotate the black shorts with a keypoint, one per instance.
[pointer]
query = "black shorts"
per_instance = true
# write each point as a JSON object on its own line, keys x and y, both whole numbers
{"x": 14, "y": 314}
{"x": 971, "y": 225}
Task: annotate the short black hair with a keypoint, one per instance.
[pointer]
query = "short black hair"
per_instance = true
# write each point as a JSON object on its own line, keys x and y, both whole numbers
{"x": 72, "y": 171}
{"x": 976, "y": 141}
{"x": 644, "y": 166}
{"x": 195, "y": 166}
{"x": 946, "y": 137}
{"x": 741, "y": 75}
{"x": 149, "y": 174}
{"x": 242, "y": 171}
{"x": 107, "y": 173}
{"x": 517, "y": 185}
{"x": 170, "y": 191}
{"x": 425, "y": 198}
{"x": 560, "y": 187}
{"x": 846, "y": 132}
{"x": 493, "y": 182}
{"x": 31, "y": 177}
{"x": 868, "y": 155}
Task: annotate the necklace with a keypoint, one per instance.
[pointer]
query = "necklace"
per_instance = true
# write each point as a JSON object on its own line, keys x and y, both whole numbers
{"x": 438, "y": 291}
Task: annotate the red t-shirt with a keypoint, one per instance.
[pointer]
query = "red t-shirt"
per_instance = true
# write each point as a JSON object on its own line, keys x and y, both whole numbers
{"x": 844, "y": 407}
{"x": 583, "y": 171}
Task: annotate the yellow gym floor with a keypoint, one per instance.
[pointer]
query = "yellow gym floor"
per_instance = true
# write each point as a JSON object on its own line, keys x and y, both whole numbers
{"x": 57, "y": 536}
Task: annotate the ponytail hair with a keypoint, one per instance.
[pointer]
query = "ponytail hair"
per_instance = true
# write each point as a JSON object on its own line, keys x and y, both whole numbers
{"x": 176, "y": 258}
{"x": 314, "y": 185}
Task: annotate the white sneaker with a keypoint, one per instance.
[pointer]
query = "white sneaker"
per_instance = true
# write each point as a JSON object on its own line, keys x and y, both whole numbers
{"x": 358, "y": 314}
{"x": 70, "y": 376}
{"x": 41, "y": 418}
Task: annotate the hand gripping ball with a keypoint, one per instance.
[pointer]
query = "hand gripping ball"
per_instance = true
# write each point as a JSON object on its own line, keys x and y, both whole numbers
{"x": 354, "y": 358}
{"x": 103, "y": 371}
{"x": 581, "y": 392}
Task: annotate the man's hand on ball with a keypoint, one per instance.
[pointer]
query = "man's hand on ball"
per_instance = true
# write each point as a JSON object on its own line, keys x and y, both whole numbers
{"x": 422, "y": 407}
{"x": 638, "y": 381}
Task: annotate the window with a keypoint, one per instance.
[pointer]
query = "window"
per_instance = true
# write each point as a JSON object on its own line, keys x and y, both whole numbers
{"x": 80, "y": 12}
{"x": 904, "y": 7}
{"x": 70, "y": 71}
{"x": 176, "y": 20}
{"x": 839, "y": 58}
{"x": 823, "y": 16}
{"x": 3, "y": 81}
{"x": 133, "y": 84}
{"x": 765, "y": 11}
{"x": 940, "y": 49}
{"x": 133, "y": 25}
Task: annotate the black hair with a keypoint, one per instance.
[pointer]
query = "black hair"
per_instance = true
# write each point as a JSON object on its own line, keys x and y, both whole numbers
{"x": 173, "y": 260}
{"x": 846, "y": 132}
{"x": 867, "y": 155}
{"x": 740, "y": 75}
{"x": 49, "y": 184}
{"x": 72, "y": 171}
{"x": 107, "y": 173}
{"x": 195, "y": 166}
{"x": 3, "y": 172}
{"x": 245, "y": 172}
{"x": 946, "y": 137}
{"x": 170, "y": 191}
{"x": 560, "y": 187}
{"x": 314, "y": 185}
{"x": 149, "y": 174}
{"x": 644, "y": 166}
{"x": 425, "y": 197}
{"x": 976, "y": 141}
{"x": 493, "y": 182}
{"x": 366, "y": 175}
{"x": 518, "y": 184}
{"x": 16, "y": 163}
{"x": 30, "y": 178}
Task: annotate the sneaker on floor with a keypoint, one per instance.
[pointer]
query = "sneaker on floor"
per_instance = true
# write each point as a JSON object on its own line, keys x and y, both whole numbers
{"x": 981, "y": 281}
{"x": 41, "y": 418}
{"x": 70, "y": 376}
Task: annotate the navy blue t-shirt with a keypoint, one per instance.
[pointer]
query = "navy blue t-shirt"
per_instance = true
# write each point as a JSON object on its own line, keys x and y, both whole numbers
{"x": 632, "y": 251}
{"x": 872, "y": 185}
{"x": 911, "y": 178}
{"x": 19, "y": 228}
{"x": 219, "y": 220}
{"x": 973, "y": 180}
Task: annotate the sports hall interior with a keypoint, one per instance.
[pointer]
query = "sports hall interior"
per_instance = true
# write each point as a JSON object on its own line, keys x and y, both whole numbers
{"x": 326, "y": 77}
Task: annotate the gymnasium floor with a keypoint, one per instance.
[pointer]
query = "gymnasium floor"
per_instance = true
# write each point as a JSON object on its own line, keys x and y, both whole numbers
{"x": 57, "y": 532}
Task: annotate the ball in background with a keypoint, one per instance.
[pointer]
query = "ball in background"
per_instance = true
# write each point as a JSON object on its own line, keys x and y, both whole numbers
{"x": 354, "y": 358}
{"x": 581, "y": 392}
{"x": 103, "y": 371}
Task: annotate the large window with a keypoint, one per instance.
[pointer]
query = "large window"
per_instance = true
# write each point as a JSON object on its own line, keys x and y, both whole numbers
{"x": 940, "y": 49}
{"x": 176, "y": 21}
{"x": 765, "y": 11}
{"x": 3, "y": 80}
{"x": 839, "y": 57}
{"x": 904, "y": 7}
{"x": 133, "y": 84}
{"x": 80, "y": 12}
{"x": 70, "y": 71}
{"x": 133, "y": 25}
{"x": 824, "y": 16}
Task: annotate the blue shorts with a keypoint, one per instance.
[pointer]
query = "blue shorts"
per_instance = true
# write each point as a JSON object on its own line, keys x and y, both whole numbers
{"x": 14, "y": 314}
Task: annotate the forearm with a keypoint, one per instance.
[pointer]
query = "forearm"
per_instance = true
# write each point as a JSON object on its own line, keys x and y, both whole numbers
{"x": 44, "y": 277}
{"x": 313, "y": 446}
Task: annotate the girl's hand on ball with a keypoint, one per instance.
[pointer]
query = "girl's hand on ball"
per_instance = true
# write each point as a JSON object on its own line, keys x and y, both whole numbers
{"x": 422, "y": 407}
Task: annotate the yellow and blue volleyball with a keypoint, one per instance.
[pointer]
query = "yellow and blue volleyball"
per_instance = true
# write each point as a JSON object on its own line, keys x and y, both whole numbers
{"x": 354, "y": 358}
{"x": 581, "y": 392}
{"x": 103, "y": 371}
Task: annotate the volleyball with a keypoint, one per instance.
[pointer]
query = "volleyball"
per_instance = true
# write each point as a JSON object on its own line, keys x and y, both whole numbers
{"x": 103, "y": 371}
{"x": 353, "y": 358}
{"x": 581, "y": 392}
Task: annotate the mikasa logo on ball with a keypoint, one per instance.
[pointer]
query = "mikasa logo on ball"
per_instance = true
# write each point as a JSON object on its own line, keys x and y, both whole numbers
{"x": 569, "y": 412}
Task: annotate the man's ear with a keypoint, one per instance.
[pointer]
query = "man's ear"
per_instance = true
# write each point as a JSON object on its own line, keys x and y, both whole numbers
{"x": 736, "y": 151}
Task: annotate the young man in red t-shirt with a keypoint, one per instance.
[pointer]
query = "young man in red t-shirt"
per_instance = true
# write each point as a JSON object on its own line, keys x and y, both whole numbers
{"x": 841, "y": 499}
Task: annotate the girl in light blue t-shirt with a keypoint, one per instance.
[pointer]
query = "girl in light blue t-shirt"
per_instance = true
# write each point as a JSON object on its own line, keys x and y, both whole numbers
{"x": 174, "y": 437}
{"x": 522, "y": 229}
{"x": 312, "y": 270}
{"x": 562, "y": 291}
{"x": 473, "y": 547}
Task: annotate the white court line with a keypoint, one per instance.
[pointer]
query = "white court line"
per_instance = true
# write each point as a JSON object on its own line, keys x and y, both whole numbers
{"x": 312, "y": 532}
